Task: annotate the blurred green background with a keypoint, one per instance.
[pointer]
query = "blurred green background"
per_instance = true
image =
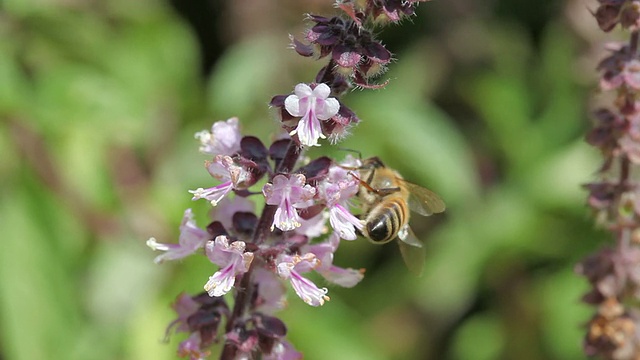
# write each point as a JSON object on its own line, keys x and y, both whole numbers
{"x": 487, "y": 105}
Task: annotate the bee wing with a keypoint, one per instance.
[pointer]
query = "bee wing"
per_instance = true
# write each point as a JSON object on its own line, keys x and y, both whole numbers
{"x": 411, "y": 250}
{"x": 423, "y": 201}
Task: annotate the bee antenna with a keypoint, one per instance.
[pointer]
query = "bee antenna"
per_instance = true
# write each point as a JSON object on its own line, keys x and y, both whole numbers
{"x": 353, "y": 151}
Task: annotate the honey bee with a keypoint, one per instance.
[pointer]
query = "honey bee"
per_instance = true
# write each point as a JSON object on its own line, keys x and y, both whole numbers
{"x": 386, "y": 199}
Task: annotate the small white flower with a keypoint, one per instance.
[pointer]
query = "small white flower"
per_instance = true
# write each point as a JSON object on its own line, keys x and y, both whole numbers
{"x": 312, "y": 105}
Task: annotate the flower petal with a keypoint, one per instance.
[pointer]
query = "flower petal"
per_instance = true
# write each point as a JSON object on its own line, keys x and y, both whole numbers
{"x": 292, "y": 105}
{"x": 307, "y": 290}
{"x": 344, "y": 277}
{"x": 309, "y": 131}
{"x": 303, "y": 90}
{"x": 321, "y": 91}
{"x": 329, "y": 110}
{"x": 221, "y": 282}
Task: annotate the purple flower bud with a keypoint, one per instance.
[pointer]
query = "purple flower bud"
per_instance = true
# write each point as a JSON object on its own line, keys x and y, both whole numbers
{"x": 601, "y": 195}
{"x": 269, "y": 325}
{"x": 185, "y": 306}
{"x": 630, "y": 15}
{"x": 607, "y": 16}
{"x": 618, "y": 68}
{"x": 201, "y": 318}
{"x": 392, "y": 10}
{"x": 278, "y": 149}
{"x": 353, "y": 48}
{"x": 339, "y": 126}
{"x": 215, "y": 229}
{"x": 316, "y": 170}
{"x": 300, "y": 48}
{"x": 608, "y": 129}
{"x": 338, "y": 83}
{"x": 271, "y": 332}
{"x": 253, "y": 149}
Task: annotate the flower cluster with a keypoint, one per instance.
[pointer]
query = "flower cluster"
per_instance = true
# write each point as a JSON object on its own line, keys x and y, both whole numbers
{"x": 610, "y": 13}
{"x": 355, "y": 53}
{"x": 303, "y": 200}
{"x": 307, "y": 203}
{"x": 380, "y": 10}
{"x": 614, "y": 272}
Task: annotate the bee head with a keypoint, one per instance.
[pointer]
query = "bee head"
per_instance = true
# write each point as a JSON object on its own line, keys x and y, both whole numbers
{"x": 372, "y": 163}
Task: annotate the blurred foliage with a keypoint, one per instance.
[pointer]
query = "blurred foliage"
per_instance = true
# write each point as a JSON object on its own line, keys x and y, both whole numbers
{"x": 99, "y": 101}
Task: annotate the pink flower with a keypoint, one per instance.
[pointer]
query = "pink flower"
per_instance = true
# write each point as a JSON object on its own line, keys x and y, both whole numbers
{"x": 224, "y": 138}
{"x": 312, "y": 105}
{"x": 231, "y": 258}
{"x": 336, "y": 190}
{"x": 324, "y": 253}
{"x": 289, "y": 194}
{"x": 232, "y": 176}
{"x": 290, "y": 267}
{"x": 191, "y": 239}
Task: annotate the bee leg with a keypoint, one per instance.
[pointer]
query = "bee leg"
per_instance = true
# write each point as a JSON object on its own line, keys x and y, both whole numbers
{"x": 379, "y": 192}
{"x": 386, "y": 191}
{"x": 363, "y": 183}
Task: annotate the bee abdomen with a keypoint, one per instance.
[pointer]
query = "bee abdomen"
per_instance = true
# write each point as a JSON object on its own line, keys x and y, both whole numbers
{"x": 384, "y": 221}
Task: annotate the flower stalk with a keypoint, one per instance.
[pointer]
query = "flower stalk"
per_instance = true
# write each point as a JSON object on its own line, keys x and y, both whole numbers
{"x": 614, "y": 271}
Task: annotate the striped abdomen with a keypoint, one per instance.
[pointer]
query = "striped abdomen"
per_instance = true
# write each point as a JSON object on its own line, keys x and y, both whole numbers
{"x": 386, "y": 218}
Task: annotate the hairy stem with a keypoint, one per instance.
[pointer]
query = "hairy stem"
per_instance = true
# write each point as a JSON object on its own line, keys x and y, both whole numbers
{"x": 244, "y": 291}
